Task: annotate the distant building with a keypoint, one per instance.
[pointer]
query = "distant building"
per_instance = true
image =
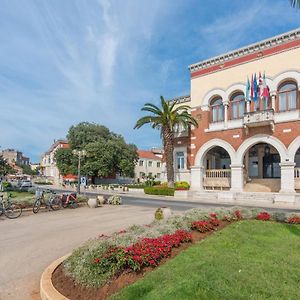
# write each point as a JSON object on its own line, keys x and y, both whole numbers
{"x": 14, "y": 157}
{"x": 149, "y": 164}
{"x": 48, "y": 164}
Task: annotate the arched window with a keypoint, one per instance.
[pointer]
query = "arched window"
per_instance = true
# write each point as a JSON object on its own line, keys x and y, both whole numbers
{"x": 217, "y": 110}
{"x": 287, "y": 96}
{"x": 237, "y": 104}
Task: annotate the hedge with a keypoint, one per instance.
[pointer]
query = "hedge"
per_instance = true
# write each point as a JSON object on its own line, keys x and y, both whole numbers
{"x": 164, "y": 191}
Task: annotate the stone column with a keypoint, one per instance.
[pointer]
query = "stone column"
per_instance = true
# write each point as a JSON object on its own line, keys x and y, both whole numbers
{"x": 273, "y": 100}
{"x": 197, "y": 174}
{"x": 287, "y": 177}
{"x": 247, "y": 106}
{"x": 225, "y": 114}
{"x": 237, "y": 178}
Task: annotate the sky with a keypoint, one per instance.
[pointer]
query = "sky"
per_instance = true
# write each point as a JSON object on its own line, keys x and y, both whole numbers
{"x": 64, "y": 62}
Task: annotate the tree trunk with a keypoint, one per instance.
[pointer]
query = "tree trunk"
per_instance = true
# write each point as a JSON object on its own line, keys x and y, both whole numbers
{"x": 168, "y": 141}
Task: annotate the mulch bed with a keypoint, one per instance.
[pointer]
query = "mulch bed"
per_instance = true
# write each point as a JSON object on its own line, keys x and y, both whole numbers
{"x": 67, "y": 286}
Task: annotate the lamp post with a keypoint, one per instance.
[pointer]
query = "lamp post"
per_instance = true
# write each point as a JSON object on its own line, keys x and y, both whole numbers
{"x": 80, "y": 153}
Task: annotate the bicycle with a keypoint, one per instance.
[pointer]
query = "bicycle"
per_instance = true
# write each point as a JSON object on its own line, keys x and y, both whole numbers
{"x": 10, "y": 209}
{"x": 69, "y": 199}
{"x": 54, "y": 201}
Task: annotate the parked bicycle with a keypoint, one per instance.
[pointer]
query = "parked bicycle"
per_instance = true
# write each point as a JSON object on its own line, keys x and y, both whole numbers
{"x": 69, "y": 200}
{"x": 54, "y": 201}
{"x": 10, "y": 209}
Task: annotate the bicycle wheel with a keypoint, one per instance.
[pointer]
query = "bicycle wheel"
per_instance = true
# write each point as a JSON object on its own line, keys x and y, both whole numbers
{"x": 13, "y": 211}
{"x": 55, "y": 203}
{"x": 73, "y": 204}
{"x": 36, "y": 206}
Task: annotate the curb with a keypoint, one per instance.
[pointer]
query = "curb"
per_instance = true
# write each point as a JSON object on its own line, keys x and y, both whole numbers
{"x": 47, "y": 290}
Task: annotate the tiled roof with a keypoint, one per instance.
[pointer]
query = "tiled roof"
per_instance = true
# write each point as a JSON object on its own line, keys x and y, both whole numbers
{"x": 147, "y": 154}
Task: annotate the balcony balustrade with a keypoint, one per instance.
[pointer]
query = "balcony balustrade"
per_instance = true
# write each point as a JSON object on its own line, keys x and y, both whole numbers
{"x": 259, "y": 118}
{"x": 217, "y": 179}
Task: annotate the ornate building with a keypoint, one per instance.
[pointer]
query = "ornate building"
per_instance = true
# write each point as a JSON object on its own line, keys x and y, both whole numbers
{"x": 245, "y": 143}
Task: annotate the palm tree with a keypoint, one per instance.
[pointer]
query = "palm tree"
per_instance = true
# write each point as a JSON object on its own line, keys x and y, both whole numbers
{"x": 165, "y": 119}
{"x": 295, "y": 3}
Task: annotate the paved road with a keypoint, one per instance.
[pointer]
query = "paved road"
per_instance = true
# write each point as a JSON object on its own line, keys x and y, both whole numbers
{"x": 30, "y": 243}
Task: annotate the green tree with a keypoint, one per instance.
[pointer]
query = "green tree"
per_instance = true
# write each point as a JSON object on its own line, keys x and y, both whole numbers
{"x": 27, "y": 170}
{"x": 84, "y": 133}
{"x": 66, "y": 162}
{"x": 295, "y": 3}
{"x": 5, "y": 168}
{"x": 107, "y": 153}
{"x": 165, "y": 119}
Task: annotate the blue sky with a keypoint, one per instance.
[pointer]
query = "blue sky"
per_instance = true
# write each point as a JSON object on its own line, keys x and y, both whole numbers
{"x": 62, "y": 62}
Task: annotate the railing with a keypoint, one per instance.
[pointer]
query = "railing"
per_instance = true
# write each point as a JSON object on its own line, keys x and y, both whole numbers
{"x": 218, "y": 173}
{"x": 259, "y": 118}
{"x": 217, "y": 178}
{"x": 297, "y": 178}
{"x": 297, "y": 173}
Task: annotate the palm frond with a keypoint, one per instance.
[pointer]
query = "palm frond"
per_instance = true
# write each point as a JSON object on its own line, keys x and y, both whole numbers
{"x": 295, "y": 3}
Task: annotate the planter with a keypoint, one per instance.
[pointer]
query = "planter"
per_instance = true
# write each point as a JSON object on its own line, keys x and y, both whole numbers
{"x": 167, "y": 212}
{"x": 92, "y": 202}
{"x": 101, "y": 199}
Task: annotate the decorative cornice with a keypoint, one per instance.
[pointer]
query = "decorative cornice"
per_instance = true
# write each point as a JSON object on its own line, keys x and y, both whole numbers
{"x": 181, "y": 99}
{"x": 253, "y": 48}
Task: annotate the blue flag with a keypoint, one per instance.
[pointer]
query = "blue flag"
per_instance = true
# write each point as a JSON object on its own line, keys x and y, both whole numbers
{"x": 247, "y": 89}
{"x": 255, "y": 88}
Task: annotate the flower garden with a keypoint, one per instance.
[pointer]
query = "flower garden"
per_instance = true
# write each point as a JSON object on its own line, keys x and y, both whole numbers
{"x": 103, "y": 266}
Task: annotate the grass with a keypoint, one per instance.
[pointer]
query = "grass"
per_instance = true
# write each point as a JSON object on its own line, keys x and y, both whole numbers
{"x": 246, "y": 260}
{"x": 21, "y": 196}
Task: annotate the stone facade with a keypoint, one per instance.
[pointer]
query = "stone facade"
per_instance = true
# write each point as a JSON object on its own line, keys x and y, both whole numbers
{"x": 240, "y": 142}
{"x": 48, "y": 164}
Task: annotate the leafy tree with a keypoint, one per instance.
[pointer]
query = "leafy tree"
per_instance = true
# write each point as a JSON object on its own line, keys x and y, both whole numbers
{"x": 106, "y": 152}
{"x": 5, "y": 168}
{"x": 84, "y": 133}
{"x": 66, "y": 162}
{"x": 165, "y": 119}
{"x": 295, "y": 3}
{"x": 27, "y": 170}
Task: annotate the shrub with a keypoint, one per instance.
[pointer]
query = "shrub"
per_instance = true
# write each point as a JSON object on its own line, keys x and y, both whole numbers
{"x": 164, "y": 191}
{"x": 114, "y": 200}
{"x": 135, "y": 186}
{"x": 159, "y": 214}
{"x": 202, "y": 226}
{"x": 182, "y": 185}
{"x": 6, "y": 185}
{"x": 263, "y": 216}
{"x": 294, "y": 220}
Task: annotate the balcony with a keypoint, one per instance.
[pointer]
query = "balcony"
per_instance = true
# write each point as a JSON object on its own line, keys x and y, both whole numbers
{"x": 259, "y": 118}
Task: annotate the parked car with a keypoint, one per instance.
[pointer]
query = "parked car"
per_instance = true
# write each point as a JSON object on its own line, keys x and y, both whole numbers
{"x": 25, "y": 184}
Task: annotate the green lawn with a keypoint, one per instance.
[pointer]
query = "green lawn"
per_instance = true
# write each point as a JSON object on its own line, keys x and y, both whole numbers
{"x": 246, "y": 260}
{"x": 21, "y": 196}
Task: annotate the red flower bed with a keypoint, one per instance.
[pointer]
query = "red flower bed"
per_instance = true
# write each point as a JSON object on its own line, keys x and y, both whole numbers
{"x": 147, "y": 252}
{"x": 263, "y": 216}
{"x": 238, "y": 214}
{"x": 202, "y": 226}
{"x": 294, "y": 220}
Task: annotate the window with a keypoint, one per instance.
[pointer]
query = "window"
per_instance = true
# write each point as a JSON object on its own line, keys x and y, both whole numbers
{"x": 217, "y": 110}
{"x": 141, "y": 163}
{"x": 150, "y": 174}
{"x": 287, "y": 96}
{"x": 158, "y": 164}
{"x": 142, "y": 174}
{"x": 237, "y": 106}
{"x": 149, "y": 163}
{"x": 158, "y": 176}
{"x": 180, "y": 160}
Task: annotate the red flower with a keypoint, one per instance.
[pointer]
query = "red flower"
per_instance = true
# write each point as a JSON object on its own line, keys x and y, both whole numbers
{"x": 263, "y": 216}
{"x": 97, "y": 260}
{"x": 294, "y": 220}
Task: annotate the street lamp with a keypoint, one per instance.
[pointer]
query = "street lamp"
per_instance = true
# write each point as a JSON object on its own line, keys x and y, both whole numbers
{"x": 80, "y": 153}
